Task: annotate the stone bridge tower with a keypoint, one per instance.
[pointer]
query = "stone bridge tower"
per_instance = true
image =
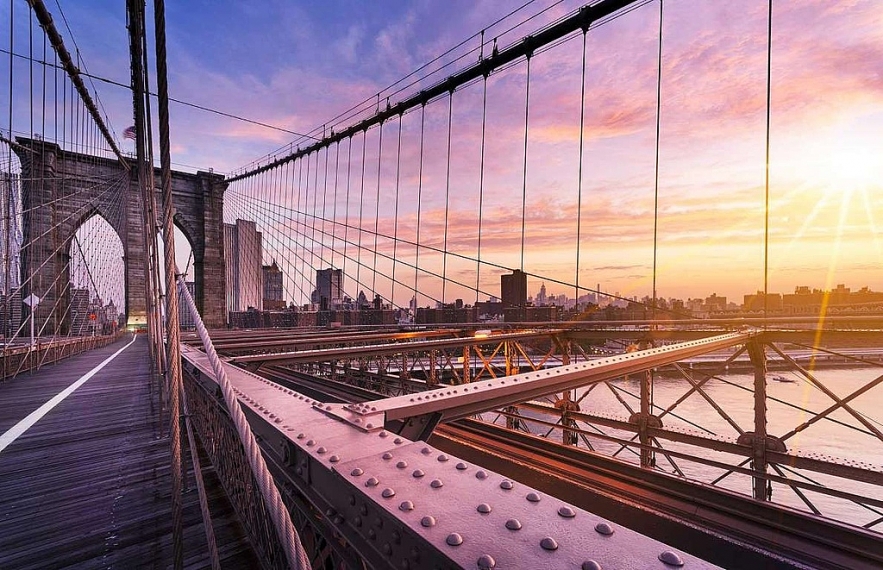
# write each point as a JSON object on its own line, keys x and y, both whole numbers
{"x": 62, "y": 189}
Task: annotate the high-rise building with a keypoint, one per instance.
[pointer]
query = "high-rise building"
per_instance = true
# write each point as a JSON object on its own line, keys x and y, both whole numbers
{"x": 513, "y": 289}
{"x": 243, "y": 252}
{"x": 542, "y": 298}
{"x": 329, "y": 288}
{"x": 273, "y": 287}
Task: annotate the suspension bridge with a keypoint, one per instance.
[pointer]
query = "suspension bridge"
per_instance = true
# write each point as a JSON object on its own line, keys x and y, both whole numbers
{"x": 345, "y": 371}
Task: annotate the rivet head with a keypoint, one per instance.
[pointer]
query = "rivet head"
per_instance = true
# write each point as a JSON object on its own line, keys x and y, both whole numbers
{"x": 357, "y": 521}
{"x": 387, "y": 549}
{"x": 513, "y": 524}
{"x": 604, "y": 528}
{"x": 358, "y": 420}
{"x": 462, "y": 466}
{"x": 425, "y": 451}
{"x": 486, "y": 562}
{"x": 357, "y": 472}
{"x": 443, "y": 458}
{"x": 549, "y": 543}
{"x": 418, "y": 473}
{"x": 402, "y": 464}
{"x": 386, "y": 456}
{"x": 427, "y": 521}
{"x": 388, "y": 493}
{"x": 454, "y": 539}
{"x": 311, "y": 442}
{"x": 484, "y": 508}
{"x": 590, "y": 565}
{"x": 481, "y": 475}
{"x": 334, "y": 459}
{"x": 384, "y": 433}
{"x": 397, "y": 441}
{"x": 372, "y": 534}
{"x": 406, "y": 506}
{"x": 507, "y": 485}
{"x": 671, "y": 558}
{"x": 369, "y": 425}
{"x": 327, "y": 408}
{"x": 567, "y": 512}
{"x": 321, "y": 450}
{"x": 437, "y": 484}
{"x": 372, "y": 482}
{"x": 301, "y": 436}
{"x": 533, "y": 497}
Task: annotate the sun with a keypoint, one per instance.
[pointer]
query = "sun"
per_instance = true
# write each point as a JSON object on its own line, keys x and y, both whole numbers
{"x": 851, "y": 168}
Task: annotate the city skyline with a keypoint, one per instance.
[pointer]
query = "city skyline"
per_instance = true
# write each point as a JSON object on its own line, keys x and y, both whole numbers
{"x": 826, "y": 107}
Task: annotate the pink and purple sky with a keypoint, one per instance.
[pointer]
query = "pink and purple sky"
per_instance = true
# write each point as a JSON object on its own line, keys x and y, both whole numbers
{"x": 298, "y": 65}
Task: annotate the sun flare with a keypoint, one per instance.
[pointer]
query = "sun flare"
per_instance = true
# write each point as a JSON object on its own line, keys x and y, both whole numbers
{"x": 853, "y": 168}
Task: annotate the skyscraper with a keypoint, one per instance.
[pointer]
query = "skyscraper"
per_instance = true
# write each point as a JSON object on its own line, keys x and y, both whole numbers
{"x": 542, "y": 299}
{"x": 274, "y": 299}
{"x": 243, "y": 251}
{"x": 513, "y": 289}
{"x": 329, "y": 288}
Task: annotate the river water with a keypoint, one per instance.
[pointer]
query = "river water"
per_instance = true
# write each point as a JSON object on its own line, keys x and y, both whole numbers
{"x": 734, "y": 394}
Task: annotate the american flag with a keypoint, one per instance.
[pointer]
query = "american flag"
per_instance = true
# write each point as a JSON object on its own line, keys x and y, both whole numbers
{"x": 129, "y": 133}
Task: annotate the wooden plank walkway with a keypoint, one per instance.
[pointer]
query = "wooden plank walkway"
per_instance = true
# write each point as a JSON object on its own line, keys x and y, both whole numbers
{"x": 89, "y": 484}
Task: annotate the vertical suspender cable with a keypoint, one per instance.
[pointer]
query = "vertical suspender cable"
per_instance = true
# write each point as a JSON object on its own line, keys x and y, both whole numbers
{"x": 361, "y": 211}
{"x": 173, "y": 349}
{"x": 8, "y": 215}
{"x": 524, "y": 170}
{"x": 419, "y": 197}
{"x": 766, "y": 207}
{"x": 447, "y": 197}
{"x": 656, "y": 169}
{"x": 322, "y": 255}
{"x": 334, "y": 222}
{"x": 481, "y": 178}
{"x": 152, "y": 277}
{"x": 314, "y": 253}
{"x": 302, "y": 207}
{"x": 377, "y": 211}
{"x": 346, "y": 208}
{"x": 579, "y": 182}
{"x": 395, "y": 232}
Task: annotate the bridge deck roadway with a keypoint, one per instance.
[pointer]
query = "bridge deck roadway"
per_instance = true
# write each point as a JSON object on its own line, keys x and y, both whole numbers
{"x": 87, "y": 484}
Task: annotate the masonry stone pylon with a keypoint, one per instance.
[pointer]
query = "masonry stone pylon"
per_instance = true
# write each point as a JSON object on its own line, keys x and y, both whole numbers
{"x": 62, "y": 189}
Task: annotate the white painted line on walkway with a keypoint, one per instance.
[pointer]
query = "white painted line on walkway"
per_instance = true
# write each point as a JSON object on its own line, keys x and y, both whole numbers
{"x": 18, "y": 429}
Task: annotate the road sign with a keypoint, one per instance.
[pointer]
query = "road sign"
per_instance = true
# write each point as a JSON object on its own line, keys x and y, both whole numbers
{"x": 31, "y": 300}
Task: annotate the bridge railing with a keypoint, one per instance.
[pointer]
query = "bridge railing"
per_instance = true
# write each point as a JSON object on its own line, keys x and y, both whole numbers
{"x": 20, "y": 358}
{"x": 234, "y": 452}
